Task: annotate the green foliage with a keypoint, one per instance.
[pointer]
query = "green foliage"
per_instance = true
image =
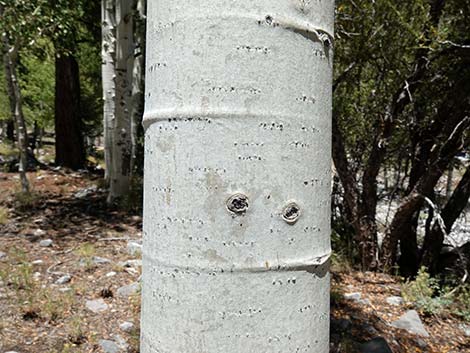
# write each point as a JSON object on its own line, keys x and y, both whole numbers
{"x": 461, "y": 305}
{"x": 8, "y": 150}
{"x": 5, "y": 112}
{"x": 3, "y": 215}
{"x": 86, "y": 252}
{"x": 26, "y": 199}
{"x": 37, "y": 79}
{"x": 425, "y": 294}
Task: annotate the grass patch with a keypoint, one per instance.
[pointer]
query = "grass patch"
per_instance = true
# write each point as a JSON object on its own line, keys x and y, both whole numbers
{"x": 3, "y": 215}
{"x": 86, "y": 252}
{"x": 8, "y": 150}
{"x": 26, "y": 200}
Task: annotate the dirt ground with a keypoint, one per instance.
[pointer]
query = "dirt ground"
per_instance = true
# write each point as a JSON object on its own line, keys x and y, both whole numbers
{"x": 46, "y": 291}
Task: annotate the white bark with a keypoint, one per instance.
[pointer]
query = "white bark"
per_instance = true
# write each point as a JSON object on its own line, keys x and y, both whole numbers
{"x": 108, "y": 55}
{"x": 117, "y": 87}
{"x": 10, "y": 61}
{"x": 137, "y": 69}
{"x": 238, "y": 113}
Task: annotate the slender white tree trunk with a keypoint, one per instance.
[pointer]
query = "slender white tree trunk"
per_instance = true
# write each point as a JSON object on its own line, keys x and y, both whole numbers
{"x": 10, "y": 60}
{"x": 117, "y": 53}
{"x": 137, "y": 72}
{"x": 108, "y": 55}
{"x": 237, "y": 176}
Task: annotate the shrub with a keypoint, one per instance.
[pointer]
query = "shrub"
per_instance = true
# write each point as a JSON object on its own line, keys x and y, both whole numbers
{"x": 424, "y": 293}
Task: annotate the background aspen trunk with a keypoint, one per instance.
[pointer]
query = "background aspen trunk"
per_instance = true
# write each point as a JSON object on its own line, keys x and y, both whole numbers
{"x": 108, "y": 55}
{"x": 117, "y": 58}
{"x": 237, "y": 176}
{"x": 10, "y": 61}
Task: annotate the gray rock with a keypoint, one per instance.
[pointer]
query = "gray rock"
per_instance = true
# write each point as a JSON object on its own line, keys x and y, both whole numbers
{"x": 46, "y": 243}
{"x": 121, "y": 342}
{"x": 394, "y": 300}
{"x": 3, "y": 255}
{"x": 100, "y": 260}
{"x": 411, "y": 322}
{"x": 377, "y": 345}
{"x": 109, "y": 346}
{"x": 83, "y": 193}
{"x": 353, "y": 296}
{"x": 96, "y": 306}
{"x": 129, "y": 290}
{"x": 364, "y": 301}
{"x": 65, "y": 290}
{"x": 37, "y": 262}
{"x": 39, "y": 232}
{"x": 465, "y": 329}
{"x": 134, "y": 248}
{"x": 126, "y": 326}
{"x": 64, "y": 279}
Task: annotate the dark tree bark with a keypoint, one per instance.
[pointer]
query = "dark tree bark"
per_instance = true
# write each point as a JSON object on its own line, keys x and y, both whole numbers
{"x": 69, "y": 145}
{"x": 10, "y": 133}
{"x": 400, "y": 226}
{"x": 434, "y": 238}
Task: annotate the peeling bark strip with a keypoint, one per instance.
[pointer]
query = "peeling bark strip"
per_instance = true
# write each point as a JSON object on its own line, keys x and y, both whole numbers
{"x": 236, "y": 217}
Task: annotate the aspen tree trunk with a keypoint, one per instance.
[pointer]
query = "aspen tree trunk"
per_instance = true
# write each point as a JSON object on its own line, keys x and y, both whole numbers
{"x": 117, "y": 52}
{"x": 137, "y": 69}
{"x": 108, "y": 55}
{"x": 10, "y": 59}
{"x": 237, "y": 176}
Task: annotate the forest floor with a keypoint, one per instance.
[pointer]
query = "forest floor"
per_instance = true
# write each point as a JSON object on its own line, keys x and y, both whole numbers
{"x": 80, "y": 292}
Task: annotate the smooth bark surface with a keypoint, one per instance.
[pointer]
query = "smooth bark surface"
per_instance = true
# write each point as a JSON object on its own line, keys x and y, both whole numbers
{"x": 237, "y": 176}
{"x": 117, "y": 86}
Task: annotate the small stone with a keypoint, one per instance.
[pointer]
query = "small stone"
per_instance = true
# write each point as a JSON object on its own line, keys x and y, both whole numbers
{"x": 39, "y": 233}
{"x": 64, "y": 279}
{"x": 411, "y": 322}
{"x": 353, "y": 296}
{"x": 65, "y": 289}
{"x": 96, "y": 306}
{"x": 37, "y": 262}
{"x": 36, "y": 276}
{"x": 364, "y": 301}
{"x": 134, "y": 248}
{"x": 111, "y": 274}
{"x": 3, "y": 255}
{"x": 46, "y": 243}
{"x": 126, "y": 326}
{"x": 121, "y": 342}
{"x": 100, "y": 260}
{"x": 109, "y": 346}
{"x": 394, "y": 300}
{"x": 129, "y": 290}
{"x": 465, "y": 329}
{"x": 377, "y": 345}
{"x": 11, "y": 352}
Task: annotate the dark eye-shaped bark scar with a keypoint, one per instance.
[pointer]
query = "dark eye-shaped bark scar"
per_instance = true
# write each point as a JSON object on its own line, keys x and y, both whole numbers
{"x": 238, "y": 203}
{"x": 291, "y": 213}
